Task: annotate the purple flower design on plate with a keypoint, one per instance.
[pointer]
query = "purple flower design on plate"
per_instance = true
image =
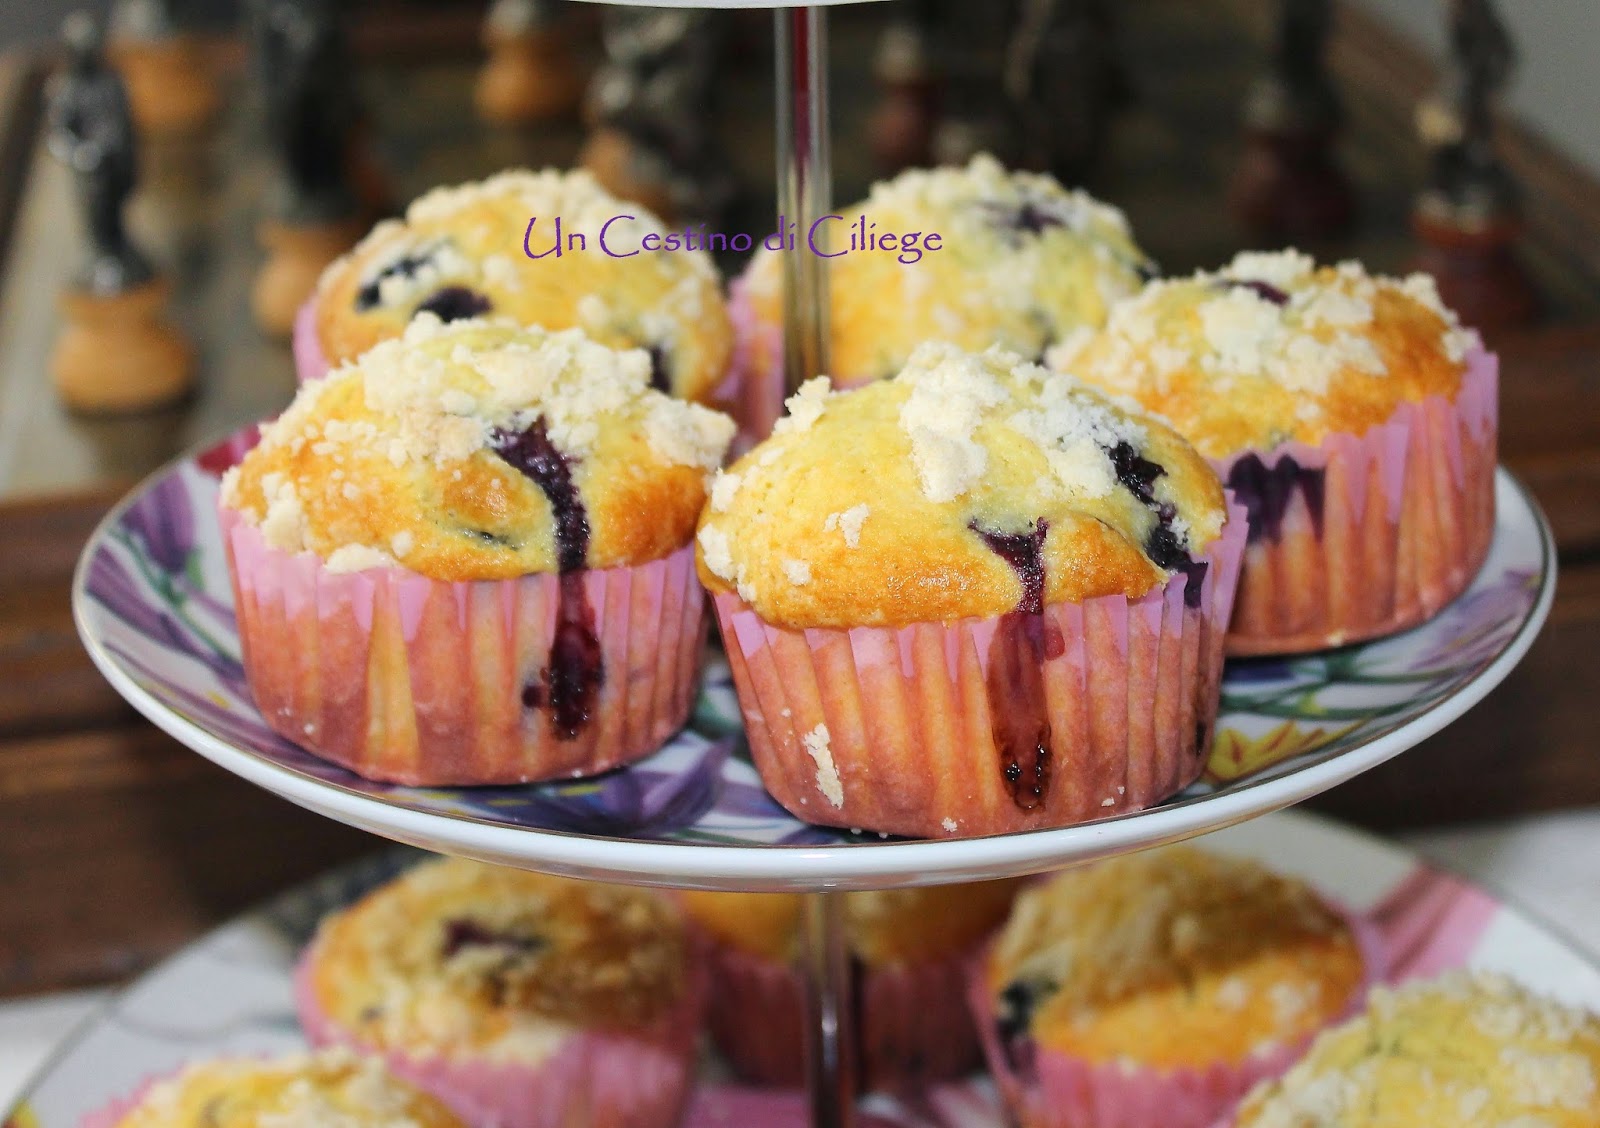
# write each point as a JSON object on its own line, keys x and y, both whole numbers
{"x": 162, "y": 520}
{"x": 111, "y": 584}
{"x": 1475, "y": 627}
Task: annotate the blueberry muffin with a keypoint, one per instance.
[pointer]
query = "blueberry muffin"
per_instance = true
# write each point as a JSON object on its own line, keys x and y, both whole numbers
{"x": 910, "y": 948}
{"x": 513, "y": 996}
{"x": 1469, "y": 1050}
{"x": 936, "y": 587}
{"x": 465, "y": 251}
{"x": 1170, "y": 980}
{"x": 1351, "y": 415}
{"x": 328, "y": 1088}
{"x": 465, "y": 558}
{"x": 976, "y": 256}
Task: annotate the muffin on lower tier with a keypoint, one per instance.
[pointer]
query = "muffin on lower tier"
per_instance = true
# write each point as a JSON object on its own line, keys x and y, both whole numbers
{"x": 1351, "y": 415}
{"x": 520, "y": 1000}
{"x": 972, "y": 599}
{"x": 1468, "y": 1050}
{"x": 1157, "y": 988}
{"x": 465, "y": 558}
{"x": 910, "y": 948}
{"x": 334, "y": 1087}
{"x": 469, "y": 251}
{"x": 973, "y": 256}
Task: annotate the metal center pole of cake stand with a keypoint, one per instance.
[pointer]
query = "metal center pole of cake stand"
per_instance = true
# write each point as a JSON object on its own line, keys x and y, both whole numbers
{"x": 804, "y": 186}
{"x": 804, "y": 192}
{"x": 831, "y": 1020}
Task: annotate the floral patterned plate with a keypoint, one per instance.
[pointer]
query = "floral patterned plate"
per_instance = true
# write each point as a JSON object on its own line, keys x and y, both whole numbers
{"x": 154, "y": 607}
{"x": 229, "y": 993}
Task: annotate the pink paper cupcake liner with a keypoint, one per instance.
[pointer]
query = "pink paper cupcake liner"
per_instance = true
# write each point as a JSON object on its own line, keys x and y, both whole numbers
{"x": 753, "y": 390}
{"x": 426, "y": 683}
{"x": 1363, "y": 536}
{"x": 310, "y": 363}
{"x": 914, "y": 1023}
{"x": 1063, "y": 1091}
{"x": 112, "y": 1113}
{"x": 597, "y": 1079}
{"x": 892, "y": 729}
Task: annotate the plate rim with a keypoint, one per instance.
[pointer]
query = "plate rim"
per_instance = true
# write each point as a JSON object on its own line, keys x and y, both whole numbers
{"x": 793, "y": 867}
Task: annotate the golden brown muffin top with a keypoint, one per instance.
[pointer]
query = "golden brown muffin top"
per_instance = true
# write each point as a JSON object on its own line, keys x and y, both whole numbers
{"x": 330, "y": 1089}
{"x": 464, "y": 252}
{"x": 1273, "y": 349}
{"x": 901, "y": 501}
{"x": 1172, "y": 957}
{"x": 481, "y": 451}
{"x": 1021, "y": 262}
{"x": 462, "y": 957}
{"x": 1468, "y": 1050}
{"x": 883, "y": 928}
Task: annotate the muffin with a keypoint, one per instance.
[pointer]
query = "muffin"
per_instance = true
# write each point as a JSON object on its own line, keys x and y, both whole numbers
{"x": 1351, "y": 415}
{"x": 1468, "y": 1050}
{"x": 331, "y": 1087}
{"x": 910, "y": 948}
{"x": 520, "y": 1000}
{"x": 467, "y": 251}
{"x": 972, "y": 599}
{"x": 464, "y": 558}
{"x": 994, "y": 258}
{"x": 1157, "y": 988}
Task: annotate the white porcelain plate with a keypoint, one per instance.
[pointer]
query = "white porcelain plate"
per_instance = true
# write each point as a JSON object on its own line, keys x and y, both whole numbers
{"x": 229, "y": 993}
{"x": 154, "y": 607}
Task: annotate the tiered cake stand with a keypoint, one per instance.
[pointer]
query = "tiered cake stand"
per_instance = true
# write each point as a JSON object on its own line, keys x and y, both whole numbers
{"x": 154, "y": 607}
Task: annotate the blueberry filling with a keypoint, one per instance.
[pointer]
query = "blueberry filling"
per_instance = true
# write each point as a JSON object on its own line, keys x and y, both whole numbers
{"x": 1162, "y": 544}
{"x": 456, "y": 303}
{"x": 1148, "y": 270}
{"x": 370, "y": 295}
{"x": 575, "y": 672}
{"x": 1135, "y": 471}
{"x": 1031, "y": 217}
{"x": 1018, "y": 711}
{"x": 462, "y": 933}
{"x": 1264, "y": 290}
{"x": 1267, "y": 493}
{"x": 1013, "y": 1024}
{"x": 660, "y": 372}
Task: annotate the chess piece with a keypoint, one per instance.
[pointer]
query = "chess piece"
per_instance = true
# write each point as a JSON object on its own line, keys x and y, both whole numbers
{"x": 1289, "y": 184}
{"x": 313, "y": 215}
{"x": 900, "y": 130}
{"x": 1063, "y": 83}
{"x": 171, "y": 87}
{"x": 649, "y": 105}
{"x": 117, "y": 351}
{"x": 532, "y": 73}
{"x": 1468, "y": 215}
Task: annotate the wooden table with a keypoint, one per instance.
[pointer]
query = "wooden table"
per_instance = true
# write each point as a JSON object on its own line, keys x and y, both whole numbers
{"x": 116, "y": 844}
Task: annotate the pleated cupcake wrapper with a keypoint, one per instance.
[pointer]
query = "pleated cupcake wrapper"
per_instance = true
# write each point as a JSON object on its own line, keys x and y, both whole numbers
{"x": 310, "y": 362}
{"x": 417, "y": 681}
{"x": 1064, "y": 1091}
{"x": 913, "y": 1020}
{"x": 753, "y": 392}
{"x": 113, "y": 1112}
{"x": 889, "y": 728}
{"x": 592, "y": 1079}
{"x": 1407, "y": 519}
